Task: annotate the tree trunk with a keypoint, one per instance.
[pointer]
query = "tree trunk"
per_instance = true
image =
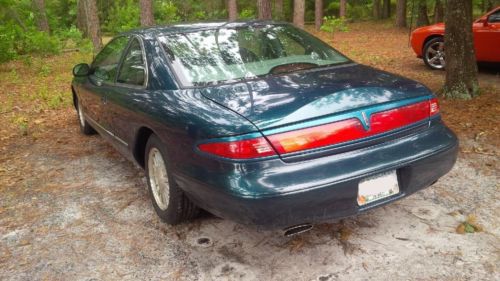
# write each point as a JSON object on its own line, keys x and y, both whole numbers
{"x": 298, "y": 13}
{"x": 264, "y": 9}
{"x": 386, "y": 9}
{"x": 41, "y": 15}
{"x": 318, "y": 14}
{"x": 401, "y": 13}
{"x": 89, "y": 22}
{"x": 438, "y": 11}
{"x": 81, "y": 18}
{"x": 422, "y": 18}
{"x": 376, "y": 9}
{"x": 342, "y": 8}
{"x": 147, "y": 17}
{"x": 278, "y": 9}
{"x": 461, "y": 68}
{"x": 232, "y": 10}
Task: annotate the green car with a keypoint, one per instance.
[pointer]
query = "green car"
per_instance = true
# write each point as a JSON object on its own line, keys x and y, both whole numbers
{"x": 261, "y": 123}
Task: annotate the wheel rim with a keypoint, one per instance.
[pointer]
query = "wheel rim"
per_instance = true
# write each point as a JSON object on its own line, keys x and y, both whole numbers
{"x": 158, "y": 178}
{"x": 80, "y": 115}
{"x": 435, "y": 55}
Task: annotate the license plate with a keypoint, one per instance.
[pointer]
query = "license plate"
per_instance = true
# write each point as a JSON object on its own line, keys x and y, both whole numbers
{"x": 377, "y": 187}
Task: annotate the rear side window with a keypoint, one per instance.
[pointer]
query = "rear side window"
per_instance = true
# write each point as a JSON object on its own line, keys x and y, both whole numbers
{"x": 133, "y": 71}
{"x": 105, "y": 65}
{"x": 495, "y": 17}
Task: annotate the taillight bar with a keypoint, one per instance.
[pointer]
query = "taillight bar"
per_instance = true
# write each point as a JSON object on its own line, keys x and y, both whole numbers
{"x": 352, "y": 129}
{"x": 239, "y": 149}
{"x": 323, "y": 135}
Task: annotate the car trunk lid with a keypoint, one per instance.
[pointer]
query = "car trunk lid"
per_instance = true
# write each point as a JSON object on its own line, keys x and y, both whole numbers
{"x": 282, "y": 104}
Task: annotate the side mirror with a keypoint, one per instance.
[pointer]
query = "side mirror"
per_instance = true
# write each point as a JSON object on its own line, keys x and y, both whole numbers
{"x": 485, "y": 23}
{"x": 81, "y": 70}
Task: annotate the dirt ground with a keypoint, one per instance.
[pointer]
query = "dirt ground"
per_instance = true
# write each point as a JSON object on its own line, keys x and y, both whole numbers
{"x": 71, "y": 208}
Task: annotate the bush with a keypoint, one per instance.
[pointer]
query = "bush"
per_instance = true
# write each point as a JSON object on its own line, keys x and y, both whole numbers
{"x": 37, "y": 42}
{"x": 247, "y": 14}
{"x": 122, "y": 16}
{"x": 73, "y": 38}
{"x": 332, "y": 24}
{"x": 165, "y": 12}
{"x": 14, "y": 42}
{"x": 7, "y": 39}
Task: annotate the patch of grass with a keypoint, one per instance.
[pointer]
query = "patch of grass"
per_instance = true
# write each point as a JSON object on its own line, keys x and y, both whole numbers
{"x": 58, "y": 100}
{"x": 13, "y": 76}
{"x": 22, "y": 123}
{"x": 7, "y": 104}
{"x": 45, "y": 70}
{"x": 470, "y": 225}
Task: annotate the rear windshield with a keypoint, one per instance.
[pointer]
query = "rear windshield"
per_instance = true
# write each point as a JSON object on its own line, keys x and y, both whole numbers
{"x": 226, "y": 54}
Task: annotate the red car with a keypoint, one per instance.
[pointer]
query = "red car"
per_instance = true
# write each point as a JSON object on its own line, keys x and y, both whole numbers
{"x": 428, "y": 41}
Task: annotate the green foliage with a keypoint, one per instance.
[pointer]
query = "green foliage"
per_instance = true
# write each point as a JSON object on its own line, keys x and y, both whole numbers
{"x": 36, "y": 42}
{"x": 332, "y": 24}
{"x": 247, "y": 14}
{"x": 361, "y": 11}
{"x": 165, "y": 12}
{"x": 73, "y": 38}
{"x": 14, "y": 42}
{"x": 122, "y": 16}
{"x": 7, "y": 39}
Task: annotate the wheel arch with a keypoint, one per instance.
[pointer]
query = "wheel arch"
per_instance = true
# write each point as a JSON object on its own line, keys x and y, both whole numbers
{"x": 75, "y": 98}
{"x": 429, "y": 38}
{"x": 141, "y": 139}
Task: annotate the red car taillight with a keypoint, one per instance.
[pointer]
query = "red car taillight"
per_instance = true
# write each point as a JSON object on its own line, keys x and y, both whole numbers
{"x": 240, "y": 149}
{"x": 433, "y": 107}
{"x": 352, "y": 129}
{"x": 323, "y": 135}
{"x": 314, "y": 137}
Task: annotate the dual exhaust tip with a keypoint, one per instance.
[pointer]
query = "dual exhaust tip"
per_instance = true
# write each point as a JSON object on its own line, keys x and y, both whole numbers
{"x": 297, "y": 229}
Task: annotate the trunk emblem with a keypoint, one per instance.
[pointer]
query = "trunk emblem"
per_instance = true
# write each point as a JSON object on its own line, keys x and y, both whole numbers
{"x": 365, "y": 121}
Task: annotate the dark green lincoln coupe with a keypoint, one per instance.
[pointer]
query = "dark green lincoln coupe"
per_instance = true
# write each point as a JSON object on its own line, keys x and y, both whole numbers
{"x": 261, "y": 123}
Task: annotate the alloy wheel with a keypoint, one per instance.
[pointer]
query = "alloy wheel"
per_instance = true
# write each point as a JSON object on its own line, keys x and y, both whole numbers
{"x": 158, "y": 179}
{"x": 434, "y": 55}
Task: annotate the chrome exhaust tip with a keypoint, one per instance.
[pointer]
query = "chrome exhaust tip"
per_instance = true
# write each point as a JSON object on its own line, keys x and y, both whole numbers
{"x": 297, "y": 229}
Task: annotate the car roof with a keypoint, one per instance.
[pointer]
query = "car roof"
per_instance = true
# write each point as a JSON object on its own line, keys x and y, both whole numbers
{"x": 197, "y": 26}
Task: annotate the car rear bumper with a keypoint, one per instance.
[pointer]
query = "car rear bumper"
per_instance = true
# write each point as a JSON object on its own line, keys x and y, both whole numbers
{"x": 278, "y": 194}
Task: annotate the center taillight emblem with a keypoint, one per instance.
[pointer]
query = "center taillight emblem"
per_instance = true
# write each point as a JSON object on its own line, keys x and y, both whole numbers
{"x": 366, "y": 122}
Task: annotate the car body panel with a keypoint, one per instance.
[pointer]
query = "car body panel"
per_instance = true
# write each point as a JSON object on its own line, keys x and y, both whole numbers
{"x": 305, "y": 95}
{"x": 486, "y": 38}
{"x": 272, "y": 191}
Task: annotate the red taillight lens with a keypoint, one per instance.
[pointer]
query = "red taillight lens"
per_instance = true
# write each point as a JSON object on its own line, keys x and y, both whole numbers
{"x": 434, "y": 107}
{"x": 314, "y": 137}
{"x": 399, "y": 117}
{"x": 352, "y": 129}
{"x": 241, "y": 149}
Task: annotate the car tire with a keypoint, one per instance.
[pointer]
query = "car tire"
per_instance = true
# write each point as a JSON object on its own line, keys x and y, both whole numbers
{"x": 169, "y": 201}
{"x": 85, "y": 127}
{"x": 433, "y": 53}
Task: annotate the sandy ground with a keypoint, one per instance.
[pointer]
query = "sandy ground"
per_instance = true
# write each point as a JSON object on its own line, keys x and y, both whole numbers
{"x": 87, "y": 216}
{"x": 71, "y": 208}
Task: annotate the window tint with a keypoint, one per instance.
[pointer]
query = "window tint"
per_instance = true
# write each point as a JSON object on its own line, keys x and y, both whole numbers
{"x": 106, "y": 62}
{"x": 495, "y": 17}
{"x": 132, "y": 71}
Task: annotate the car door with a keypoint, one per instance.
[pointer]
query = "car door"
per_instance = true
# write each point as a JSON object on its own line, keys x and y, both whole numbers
{"x": 487, "y": 38}
{"x": 128, "y": 93}
{"x": 101, "y": 80}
